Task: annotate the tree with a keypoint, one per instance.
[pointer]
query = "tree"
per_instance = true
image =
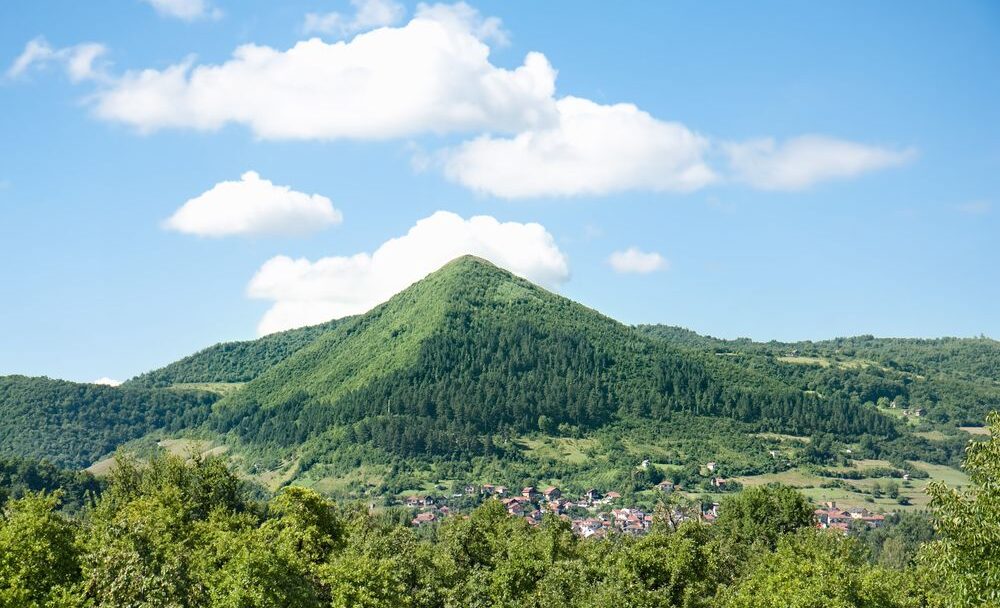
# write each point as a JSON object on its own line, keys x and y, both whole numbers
{"x": 964, "y": 564}
{"x": 753, "y": 521}
{"x": 38, "y": 555}
{"x": 819, "y": 569}
{"x": 762, "y": 514}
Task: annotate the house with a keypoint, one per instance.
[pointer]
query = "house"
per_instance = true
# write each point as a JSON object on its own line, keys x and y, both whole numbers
{"x": 710, "y": 466}
{"x": 592, "y": 495}
{"x": 500, "y": 490}
{"x": 413, "y": 501}
{"x": 835, "y": 518}
{"x": 470, "y": 490}
{"x": 551, "y": 493}
{"x": 531, "y": 493}
{"x": 718, "y": 482}
{"x": 514, "y": 506}
{"x": 611, "y": 496}
{"x": 421, "y": 519}
{"x": 644, "y": 464}
{"x": 665, "y": 486}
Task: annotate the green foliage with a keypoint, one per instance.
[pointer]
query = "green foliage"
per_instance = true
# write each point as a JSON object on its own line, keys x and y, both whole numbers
{"x": 895, "y": 545}
{"x": 188, "y": 533}
{"x": 38, "y": 553}
{"x": 449, "y": 366}
{"x": 233, "y": 361}
{"x": 73, "y": 425}
{"x": 761, "y": 515}
{"x": 818, "y": 569}
{"x": 965, "y": 562}
{"x": 953, "y": 379}
{"x": 20, "y": 476}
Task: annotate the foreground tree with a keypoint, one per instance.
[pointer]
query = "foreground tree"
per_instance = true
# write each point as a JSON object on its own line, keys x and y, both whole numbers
{"x": 38, "y": 555}
{"x": 819, "y": 569}
{"x": 963, "y": 567}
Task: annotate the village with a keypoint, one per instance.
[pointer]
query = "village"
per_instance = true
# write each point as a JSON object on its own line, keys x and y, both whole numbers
{"x": 599, "y": 514}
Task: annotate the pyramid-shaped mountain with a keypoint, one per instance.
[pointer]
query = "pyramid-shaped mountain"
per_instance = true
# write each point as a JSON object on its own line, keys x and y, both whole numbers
{"x": 473, "y": 351}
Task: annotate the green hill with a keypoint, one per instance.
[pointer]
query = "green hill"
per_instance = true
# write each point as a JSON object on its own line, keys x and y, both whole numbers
{"x": 232, "y": 362}
{"x": 475, "y": 374}
{"x": 72, "y": 424}
{"x": 472, "y": 353}
{"x": 954, "y": 381}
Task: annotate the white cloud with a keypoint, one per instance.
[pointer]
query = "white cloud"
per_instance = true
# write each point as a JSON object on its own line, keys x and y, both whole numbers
{"x": 462, "y": 16}
{"x": 431, "y": 75}
{"x": 306, "y": 292}
{"x": 635, "y": 261}
{"x": 592, "y": 149}
{"x": 253, "y": 206}
{"x": 80, "y": 61}
{"x": 368, "y": 14}
{"x": 188, "y": 10}
{"x": 802, "y": 161}
{"x": 107, "y": 381}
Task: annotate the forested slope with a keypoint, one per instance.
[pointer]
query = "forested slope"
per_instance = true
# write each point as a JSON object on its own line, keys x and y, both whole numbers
{"x": 233, "y": 361}
{"x": 72, "y": 424}
{"x": 956, "y": 380}
{"x": 472, "y": 351}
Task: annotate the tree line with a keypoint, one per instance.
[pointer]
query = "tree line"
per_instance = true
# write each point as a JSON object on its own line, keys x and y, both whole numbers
{"x": 176, "y": 533}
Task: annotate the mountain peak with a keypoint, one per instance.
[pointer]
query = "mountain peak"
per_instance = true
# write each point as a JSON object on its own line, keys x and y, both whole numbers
{"x": 470, "y": 263}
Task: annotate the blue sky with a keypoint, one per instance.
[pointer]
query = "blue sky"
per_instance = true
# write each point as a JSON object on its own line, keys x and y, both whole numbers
{"x": 785, "y": 170}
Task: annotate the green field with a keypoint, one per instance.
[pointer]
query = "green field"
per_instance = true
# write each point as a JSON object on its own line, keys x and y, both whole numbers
{"x": 810, "y": 484}
{"x": 219, "y": 388}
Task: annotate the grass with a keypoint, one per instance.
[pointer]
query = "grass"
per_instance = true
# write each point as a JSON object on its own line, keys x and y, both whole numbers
{"x": 362, "y": 477}
{"x": 818, "y": 361}
{"x": 827, "y": 362}
{"x": 561, "y": 449}
{"x": 219, "y": 388}
{"x": 782, "y": 437}
{"x": 952, "y": 477}
{"x": 932, "y": 435}
{"x": 182, "y": 447}
{"x": 797, "y": 478}
{"x": 976, "y": 430}
{"x": 809, "y": 484}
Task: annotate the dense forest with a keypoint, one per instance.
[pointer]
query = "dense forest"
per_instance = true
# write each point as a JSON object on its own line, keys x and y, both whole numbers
{"x": 176, "y": 533}
{"x": 233, "y": 361}
{"x": 466, "y": 364}
{"x": 472, "y": 351}
{"x": 73, "y": 424}
{"x": 21, "y": 476}
{"x": 956, "y": 380}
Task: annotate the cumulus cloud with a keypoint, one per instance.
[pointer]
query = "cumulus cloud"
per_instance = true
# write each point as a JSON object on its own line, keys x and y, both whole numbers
{"x": 187, "y": 10}
{"x": 368, "y": 14}
{"x": 431, "y": 75}
{"x": 635, "y": 261}
{"x": 306, "y": 292}
{"x": 800, "y": 162}
{"x": 107, "y": 381}
{"x": 592, "y": 149}
{"x": 253, "y": 206}
{"x": 80, "y": 61}
{"x": 462, "y": 16}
